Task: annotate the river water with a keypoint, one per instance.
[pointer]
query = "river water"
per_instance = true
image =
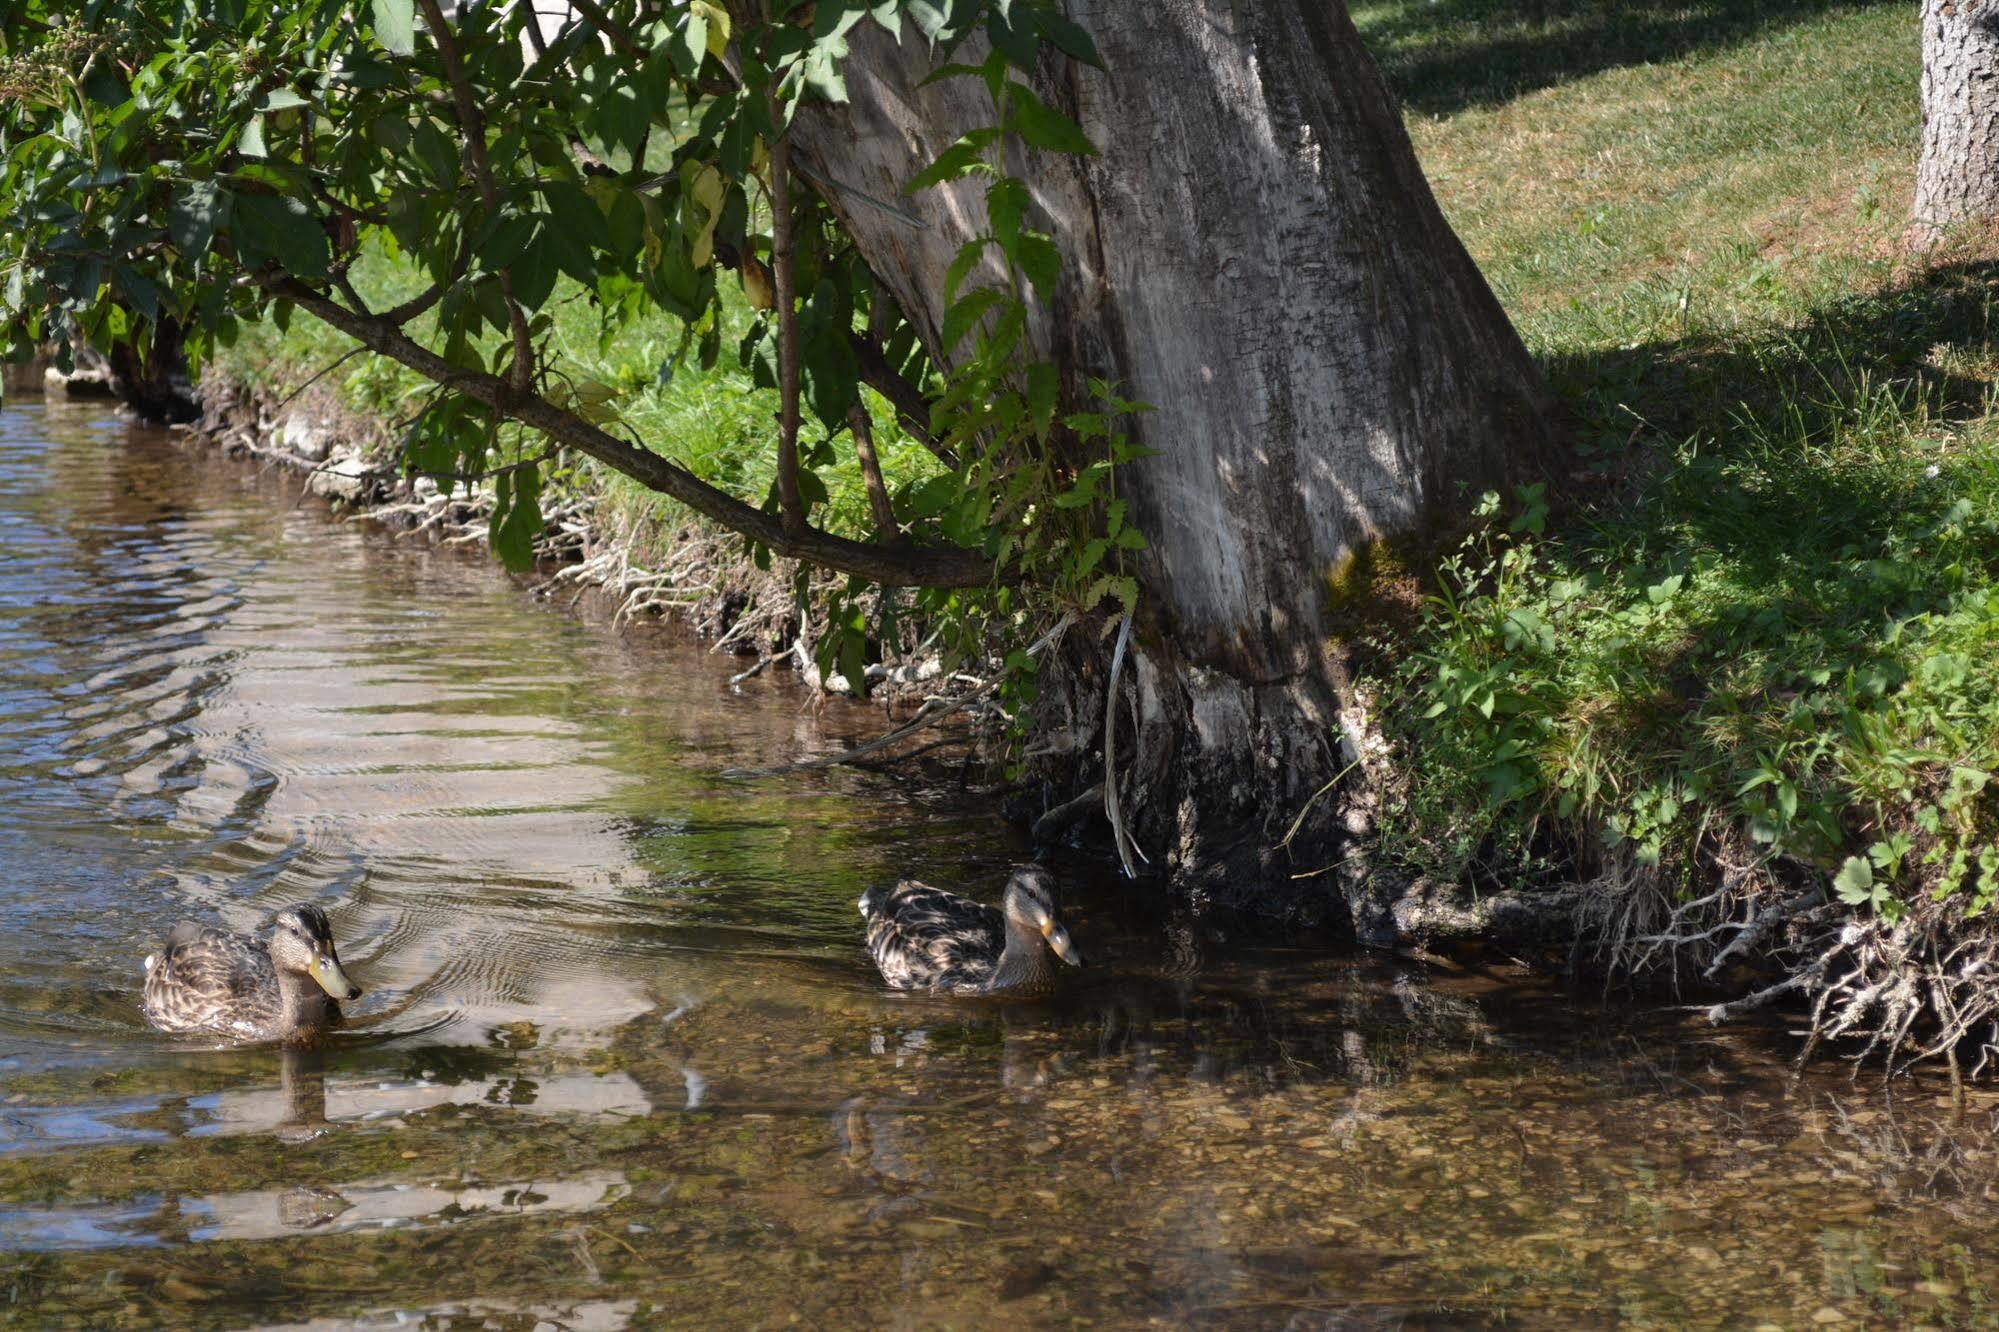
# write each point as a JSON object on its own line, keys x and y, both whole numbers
{"x": 621, "y": 1062}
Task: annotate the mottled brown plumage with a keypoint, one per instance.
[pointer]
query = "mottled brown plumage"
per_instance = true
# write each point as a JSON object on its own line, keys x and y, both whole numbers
{"x": 924, "y": 938}
{"x": 281, "y": 988}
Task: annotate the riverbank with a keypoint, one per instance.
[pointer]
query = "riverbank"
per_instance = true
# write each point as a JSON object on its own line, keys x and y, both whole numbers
{"x": 1723, "y": 695}
{"x": 1712, "y": 703}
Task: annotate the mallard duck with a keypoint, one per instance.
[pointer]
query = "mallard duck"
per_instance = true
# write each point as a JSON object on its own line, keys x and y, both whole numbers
{"x": 283, "y": 988}
{"x": 924, "y": 938}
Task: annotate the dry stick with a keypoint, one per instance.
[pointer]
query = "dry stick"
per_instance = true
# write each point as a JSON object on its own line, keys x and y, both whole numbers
{"x": 912, "y": 409}
{"x": 1061, "y": 818}
{"x": 318, "y": 375}
{"x": 871, "y": 473}
{"x": 1753, "y": 933}
{"x": 474, "y": 127}
{"x": 788, "y": 501}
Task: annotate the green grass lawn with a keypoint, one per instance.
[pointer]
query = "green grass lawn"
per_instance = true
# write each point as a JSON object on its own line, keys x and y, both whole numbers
{"x": 1757, "y": 617}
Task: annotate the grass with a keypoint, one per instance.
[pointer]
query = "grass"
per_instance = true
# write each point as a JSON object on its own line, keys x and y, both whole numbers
{"x": 1755, "y": 625}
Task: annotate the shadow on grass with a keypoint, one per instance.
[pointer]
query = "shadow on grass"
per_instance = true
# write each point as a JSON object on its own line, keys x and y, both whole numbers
{"x": 1808, "y": 462}
{"x": 1854, "y": 368}
{"x": 1443, "y": 56}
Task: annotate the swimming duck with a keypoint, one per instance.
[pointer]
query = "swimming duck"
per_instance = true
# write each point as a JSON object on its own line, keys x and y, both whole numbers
{"x": 283, "y": 988}
{"x": 924, "y": 938}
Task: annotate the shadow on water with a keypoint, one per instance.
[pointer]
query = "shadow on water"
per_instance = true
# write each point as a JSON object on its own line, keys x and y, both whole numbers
{"x": 1443, "y": 56}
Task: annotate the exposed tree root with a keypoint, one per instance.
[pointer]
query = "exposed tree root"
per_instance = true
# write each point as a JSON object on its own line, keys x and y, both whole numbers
{"x": 1922, "y": 987}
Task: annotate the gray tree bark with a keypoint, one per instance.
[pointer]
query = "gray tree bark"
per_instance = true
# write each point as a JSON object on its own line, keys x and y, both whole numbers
{"x": 1255, "y": 253}
{"x": 1957, "y": 177}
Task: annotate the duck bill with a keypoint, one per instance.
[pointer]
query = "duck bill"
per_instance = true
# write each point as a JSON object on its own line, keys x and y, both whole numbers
{"x": 1058, "y": 939}
{"x": 325, "y": 969}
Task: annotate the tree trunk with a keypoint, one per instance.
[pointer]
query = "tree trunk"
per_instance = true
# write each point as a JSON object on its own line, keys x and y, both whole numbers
{"x": 1255, "y": 253}
{"x": 1957, "y": 178}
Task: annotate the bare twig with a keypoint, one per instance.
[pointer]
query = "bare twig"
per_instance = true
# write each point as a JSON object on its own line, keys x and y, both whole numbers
{"x": 318, "y": 375}
{"x": 789, "y": 503}
{"x": 871, "y": 473}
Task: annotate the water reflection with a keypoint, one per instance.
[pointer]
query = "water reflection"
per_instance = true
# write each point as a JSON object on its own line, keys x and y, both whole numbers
{"x": 622, "y": 1063}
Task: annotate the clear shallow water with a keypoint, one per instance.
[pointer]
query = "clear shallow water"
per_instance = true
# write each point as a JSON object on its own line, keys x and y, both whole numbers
{"x": 621, "y": 1062}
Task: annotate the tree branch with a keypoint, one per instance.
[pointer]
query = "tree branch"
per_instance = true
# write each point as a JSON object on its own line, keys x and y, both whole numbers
{"x": 871, "y": 473}
{"x": 610, "y": 27}
{"x": 418, "y": 304}
{"x": 474, "y": 127}
{"x": 912, "y": 409}
{"x": 788, "y": 501}
{"x": 902, "y": 565}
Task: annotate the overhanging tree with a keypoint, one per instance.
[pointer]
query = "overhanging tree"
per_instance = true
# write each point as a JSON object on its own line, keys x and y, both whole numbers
{"x": 1014, "y": 232}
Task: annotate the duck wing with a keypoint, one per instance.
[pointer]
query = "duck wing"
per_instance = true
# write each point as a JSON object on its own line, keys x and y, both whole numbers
{"x": 924, "y": 938}
{"x": 209, "y": 980}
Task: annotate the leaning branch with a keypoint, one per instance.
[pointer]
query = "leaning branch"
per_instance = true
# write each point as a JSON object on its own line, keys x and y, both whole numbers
{"x": 901, "y": 565}
{"x": 912, "y": 409}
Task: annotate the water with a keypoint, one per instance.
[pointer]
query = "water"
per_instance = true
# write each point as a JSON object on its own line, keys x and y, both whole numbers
{"x": 621, "y": 1062}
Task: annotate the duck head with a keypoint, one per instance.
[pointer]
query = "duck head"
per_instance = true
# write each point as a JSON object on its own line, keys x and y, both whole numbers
{"x": 1030, "y": 907}
{"x": 302, "y": 943}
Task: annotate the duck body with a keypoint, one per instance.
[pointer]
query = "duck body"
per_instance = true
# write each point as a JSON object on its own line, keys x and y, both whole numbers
{"x": 924, "y": 938}
{"x": 282, "y": 988}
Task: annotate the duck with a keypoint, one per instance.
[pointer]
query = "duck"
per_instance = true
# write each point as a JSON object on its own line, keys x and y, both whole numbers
{"x": 283, "y": 988}
{"x": 924, "y": 938}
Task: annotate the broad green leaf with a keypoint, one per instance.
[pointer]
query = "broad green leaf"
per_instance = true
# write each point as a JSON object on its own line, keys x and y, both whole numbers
{"x": 282, "y": 229}
{"x": 250, "y": 142}
{"x": 1855, "y": 881}
{"x": 1006, "y": 202}
{"x": 1044, "y": 126}
{"x": 199, "y": 209}
{"x": 395, "y": 25}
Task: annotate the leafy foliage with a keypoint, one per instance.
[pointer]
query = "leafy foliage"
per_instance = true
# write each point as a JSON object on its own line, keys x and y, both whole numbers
{"x": 200, "y": 166}
{"x": 1780, "y": 649}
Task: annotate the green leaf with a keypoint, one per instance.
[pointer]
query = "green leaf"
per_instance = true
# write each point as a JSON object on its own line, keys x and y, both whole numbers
{"x": 1011, "y": 31}
{"x": 516, "y": 518}
{"x": 960, "y": 159}
{"x": 194, "y": 217}
{"x": 250, "y": 142}
{"x": 1067, "y": 37}
{"x": 1855, "y": 881}
{"x": 960, "y": 318}
{"x": 1042, "y": 263}
{"x": 395, "y": 25}
{"x": 139, "y": 291}
{"x": 1044, "y": 126}
{"x": 281, "y": 229}
{"x": 1006, "y": 202}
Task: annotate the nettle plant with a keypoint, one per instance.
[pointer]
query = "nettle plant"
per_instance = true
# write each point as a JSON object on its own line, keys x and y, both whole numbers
{"x": 177, "y": 168}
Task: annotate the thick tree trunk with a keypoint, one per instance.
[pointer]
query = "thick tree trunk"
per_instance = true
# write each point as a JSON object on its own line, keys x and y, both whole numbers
{"x": 1255, "y": 253}
{"x": 1957, "y": 179}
